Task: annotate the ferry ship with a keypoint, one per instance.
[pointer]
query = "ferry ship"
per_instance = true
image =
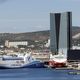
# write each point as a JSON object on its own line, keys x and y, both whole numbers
{"x": 58, "y": 60}
{"x": 20, "y": 61}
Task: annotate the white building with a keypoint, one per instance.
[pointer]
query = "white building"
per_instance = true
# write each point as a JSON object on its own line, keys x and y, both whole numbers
{"x": 15, "y": 43}
{"x": 48, "y": 43}
{"x": 76, "y": 47}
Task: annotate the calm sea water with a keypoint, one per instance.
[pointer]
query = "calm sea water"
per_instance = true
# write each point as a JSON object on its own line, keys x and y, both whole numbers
{"x": 37, "y": 74}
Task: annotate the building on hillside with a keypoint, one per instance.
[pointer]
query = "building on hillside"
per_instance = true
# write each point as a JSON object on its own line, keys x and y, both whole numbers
{"x": 15, "y": 43}
{"x": 73, "y": 55}
{"x": 60, "y": 32}
{"x": 48, "y": 43}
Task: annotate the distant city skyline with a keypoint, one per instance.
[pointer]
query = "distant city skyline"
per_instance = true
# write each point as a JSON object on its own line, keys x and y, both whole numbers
{"x": 34, "y": 15}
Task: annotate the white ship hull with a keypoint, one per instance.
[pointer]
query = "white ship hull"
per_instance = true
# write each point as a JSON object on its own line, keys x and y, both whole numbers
{"x": 20, "y": 62}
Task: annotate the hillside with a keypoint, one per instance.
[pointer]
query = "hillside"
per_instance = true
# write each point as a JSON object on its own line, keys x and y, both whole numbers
{"x": 39, "y": 35}
{"x": 30, "y": 36}
{"x": 75, "y": 30}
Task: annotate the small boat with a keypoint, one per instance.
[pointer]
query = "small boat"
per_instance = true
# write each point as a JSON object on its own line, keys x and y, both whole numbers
{"x": 20, "y": 61}
{"x": 58, "y": 60}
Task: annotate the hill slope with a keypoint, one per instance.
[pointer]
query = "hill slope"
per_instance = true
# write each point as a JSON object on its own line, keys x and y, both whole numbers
{"x": 39, "y": 35}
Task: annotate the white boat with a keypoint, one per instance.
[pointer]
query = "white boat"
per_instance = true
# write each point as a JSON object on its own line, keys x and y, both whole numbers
{"x": 20, "y": 61}
{"x": 58, "y": 60}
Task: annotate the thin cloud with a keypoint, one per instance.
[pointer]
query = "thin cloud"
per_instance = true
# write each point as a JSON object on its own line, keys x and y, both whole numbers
{"x": 2, "y": 1}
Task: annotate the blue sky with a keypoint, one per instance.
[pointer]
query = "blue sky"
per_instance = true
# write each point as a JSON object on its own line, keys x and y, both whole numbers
{"x": 34, "y": 15}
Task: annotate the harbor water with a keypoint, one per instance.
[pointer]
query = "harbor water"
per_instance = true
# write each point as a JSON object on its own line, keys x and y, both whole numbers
{"x": 38, "y": 74}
